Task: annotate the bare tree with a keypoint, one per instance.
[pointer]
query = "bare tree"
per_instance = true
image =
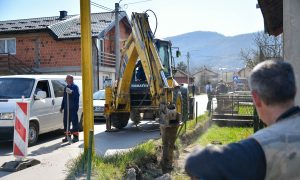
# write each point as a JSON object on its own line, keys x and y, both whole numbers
{"x": 266, "y": 47}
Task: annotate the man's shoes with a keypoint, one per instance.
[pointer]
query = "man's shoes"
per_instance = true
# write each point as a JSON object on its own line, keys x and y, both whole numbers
{"x": 75, "y": 139}
{"x": 66, "y": 139}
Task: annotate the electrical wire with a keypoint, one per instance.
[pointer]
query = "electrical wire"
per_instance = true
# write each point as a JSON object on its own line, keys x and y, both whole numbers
{"x": 106, "y": 8}
{"x": 101, "y": 6}
{"x": 155, "y": 20}
{"x": 138, "y": 2}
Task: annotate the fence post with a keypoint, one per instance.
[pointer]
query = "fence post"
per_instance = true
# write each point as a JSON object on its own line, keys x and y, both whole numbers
{"x": 196, "y": 112}
{"x": 91, "y": 134}
{"x": 238, "y": 104}
{"x": 232, "y": 105}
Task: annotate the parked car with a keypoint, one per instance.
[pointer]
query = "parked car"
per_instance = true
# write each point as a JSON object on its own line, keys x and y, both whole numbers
{"x": 44, "y": 93}
{"x": 98, "y": 102}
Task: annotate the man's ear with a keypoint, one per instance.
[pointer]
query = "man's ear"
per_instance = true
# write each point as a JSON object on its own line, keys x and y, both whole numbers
{"x": 256, "y": 99}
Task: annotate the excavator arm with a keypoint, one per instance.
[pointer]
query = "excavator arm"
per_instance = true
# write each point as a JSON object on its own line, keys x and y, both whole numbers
{"x": 141, "y": 46}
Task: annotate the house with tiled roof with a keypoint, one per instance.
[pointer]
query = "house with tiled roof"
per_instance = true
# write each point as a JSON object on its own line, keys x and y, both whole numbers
{"x": 51, "y": 45}
{"x": 205, "y": 75}
{"x": 182, "y": 77}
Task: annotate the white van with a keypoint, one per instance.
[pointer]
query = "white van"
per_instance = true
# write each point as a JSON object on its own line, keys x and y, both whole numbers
{"x": 45, "y": 93}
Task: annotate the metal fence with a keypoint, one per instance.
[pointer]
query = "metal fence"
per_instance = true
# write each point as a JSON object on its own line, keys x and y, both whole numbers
{"x": 233, "y": 107}
{"x": 236, "y": 109}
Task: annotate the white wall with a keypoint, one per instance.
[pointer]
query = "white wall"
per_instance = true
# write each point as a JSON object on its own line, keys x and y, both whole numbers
{"x": 291, "y": 36}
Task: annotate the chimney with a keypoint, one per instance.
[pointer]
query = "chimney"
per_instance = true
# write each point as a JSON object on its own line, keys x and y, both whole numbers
{"x": 63, "y": 14}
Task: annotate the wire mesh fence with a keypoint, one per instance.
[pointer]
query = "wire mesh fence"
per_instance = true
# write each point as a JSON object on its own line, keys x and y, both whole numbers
{"x": 238, "y": 109}
{"x": 234, "y": 105}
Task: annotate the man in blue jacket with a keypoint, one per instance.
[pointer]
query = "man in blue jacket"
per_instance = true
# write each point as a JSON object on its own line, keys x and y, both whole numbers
{"x": 72, "y": 91}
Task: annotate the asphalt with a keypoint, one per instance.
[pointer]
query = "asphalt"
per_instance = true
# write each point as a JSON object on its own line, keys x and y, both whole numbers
{"x": 56, "y": 157}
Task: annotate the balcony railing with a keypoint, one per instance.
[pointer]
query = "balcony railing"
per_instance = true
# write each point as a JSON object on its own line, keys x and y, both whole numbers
{"x": 107, "y": 59}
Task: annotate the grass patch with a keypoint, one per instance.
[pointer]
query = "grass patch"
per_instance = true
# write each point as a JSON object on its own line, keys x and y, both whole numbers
{"x": 245, "y": 109}
{"x": 225, "y": 135}
{"x": 144, "y": 157}
{"x": 191, "y": 124}
{"x": 113, "y": 167}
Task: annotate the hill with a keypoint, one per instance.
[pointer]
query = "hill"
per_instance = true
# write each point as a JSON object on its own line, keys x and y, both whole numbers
{"x": 212, "y": 49}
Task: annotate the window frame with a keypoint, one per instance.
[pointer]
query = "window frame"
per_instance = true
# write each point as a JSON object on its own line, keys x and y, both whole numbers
{"x": 49, "y": 88}
{"x": 53, "y": 84}
{"x": 6, "y": 47}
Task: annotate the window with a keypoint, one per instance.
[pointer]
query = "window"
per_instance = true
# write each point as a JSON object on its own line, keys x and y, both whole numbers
{"x": 58, "y": 87}
{"x": 100, "y": 45}
{"x": 21, "y": 87}
{"x": 43, "y": 86}
{"x": 8, "y": 46}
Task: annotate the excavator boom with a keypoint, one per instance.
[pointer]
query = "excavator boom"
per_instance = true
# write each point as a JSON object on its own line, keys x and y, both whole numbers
{"x": 141, "y": 48}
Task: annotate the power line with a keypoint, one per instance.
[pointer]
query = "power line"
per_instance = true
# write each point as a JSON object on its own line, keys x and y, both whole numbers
{"x": 105, "y": 8}
{"x": 101, "y": 6}
{"x": 138, "y": 2}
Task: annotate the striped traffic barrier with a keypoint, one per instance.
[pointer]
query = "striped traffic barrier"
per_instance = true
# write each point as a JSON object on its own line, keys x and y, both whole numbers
{"x": 21, "y": 129}
{"x": 20, "y": 144}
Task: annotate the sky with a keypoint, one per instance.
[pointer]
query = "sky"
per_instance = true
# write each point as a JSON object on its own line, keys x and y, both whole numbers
{"x": 228, "y": 17}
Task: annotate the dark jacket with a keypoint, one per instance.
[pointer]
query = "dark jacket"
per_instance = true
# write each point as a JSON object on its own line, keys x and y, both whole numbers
{"x": 73, "y": 98}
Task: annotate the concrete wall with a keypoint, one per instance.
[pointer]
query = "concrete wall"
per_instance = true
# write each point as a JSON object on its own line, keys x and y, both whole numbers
{"x": 291, "y": 36}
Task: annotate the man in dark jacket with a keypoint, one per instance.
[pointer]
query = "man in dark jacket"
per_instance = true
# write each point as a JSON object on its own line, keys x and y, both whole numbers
{"x": 72, "y": 91}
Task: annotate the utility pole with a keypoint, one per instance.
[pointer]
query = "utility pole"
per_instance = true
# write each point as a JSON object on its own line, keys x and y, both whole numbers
{"x": 188, "y": 78}
{"x": 86, "y": 69}
{"x": 188, "y": 67}
{"x": 117, "y": 40}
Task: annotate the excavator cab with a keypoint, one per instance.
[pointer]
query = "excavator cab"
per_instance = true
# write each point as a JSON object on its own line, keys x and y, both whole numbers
{"x": 165, "y": 55}
{"x": 140, "y": 91}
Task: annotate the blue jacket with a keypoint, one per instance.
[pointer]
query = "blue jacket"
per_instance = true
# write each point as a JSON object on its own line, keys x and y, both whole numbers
{"x": 73, "y": 98}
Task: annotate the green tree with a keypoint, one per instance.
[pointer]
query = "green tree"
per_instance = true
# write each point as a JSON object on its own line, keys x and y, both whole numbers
{"x": 182, "y": 66}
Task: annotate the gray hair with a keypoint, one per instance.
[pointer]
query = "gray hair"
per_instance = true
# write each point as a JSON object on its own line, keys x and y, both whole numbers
{"x": 69, "y": 76}
{"x": 274, "y": 82}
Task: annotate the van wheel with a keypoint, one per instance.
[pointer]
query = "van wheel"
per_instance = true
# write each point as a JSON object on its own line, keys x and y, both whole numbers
{"x": 33, "y": 134}
{"x": 81, "y": 123}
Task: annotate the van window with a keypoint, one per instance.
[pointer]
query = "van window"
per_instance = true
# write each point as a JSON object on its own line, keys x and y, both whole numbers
{"x": 14, "y": 88}
{"x": 43, "y": 86}
{"x": 58, "y": 87}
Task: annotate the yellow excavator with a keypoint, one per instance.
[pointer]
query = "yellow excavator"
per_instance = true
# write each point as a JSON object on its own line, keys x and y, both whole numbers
{"x": 146, "y": 86}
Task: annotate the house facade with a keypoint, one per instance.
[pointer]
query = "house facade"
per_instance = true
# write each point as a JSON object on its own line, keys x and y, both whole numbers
{"x": 52, "y": 45}
{"x": 203, "y": 76}
{"x": 244, "y": 72}
{"x": 182, "y": 77}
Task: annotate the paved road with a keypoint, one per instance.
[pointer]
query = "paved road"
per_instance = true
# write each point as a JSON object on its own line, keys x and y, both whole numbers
{"x": 55, "y": 157}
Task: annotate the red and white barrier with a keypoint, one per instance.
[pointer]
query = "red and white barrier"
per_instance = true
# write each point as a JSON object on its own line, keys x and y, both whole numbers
{"x": 21, "y": 129}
